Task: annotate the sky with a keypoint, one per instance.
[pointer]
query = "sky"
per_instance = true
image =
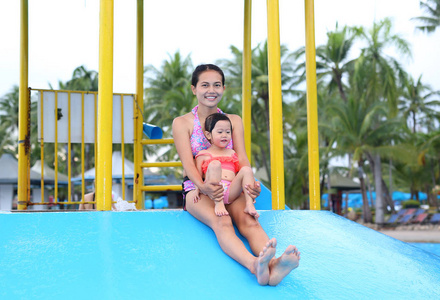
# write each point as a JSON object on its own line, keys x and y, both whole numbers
{"x": 65, "y": 34}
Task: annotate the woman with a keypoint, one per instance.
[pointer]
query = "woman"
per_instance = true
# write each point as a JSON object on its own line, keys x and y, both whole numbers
{"x": 208, "y": 86}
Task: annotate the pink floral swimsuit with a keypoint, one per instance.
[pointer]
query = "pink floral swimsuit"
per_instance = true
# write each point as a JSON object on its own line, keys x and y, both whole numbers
{"x": 198, "y": 143}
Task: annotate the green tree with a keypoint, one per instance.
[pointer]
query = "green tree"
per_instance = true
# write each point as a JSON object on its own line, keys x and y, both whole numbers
{"x": 9, "y": 107}
{"x": 417, "y": 105}
{"x": 430, "y": 20}
{"x": 376, "y": 79}
{"x": 358, "y": 126}
{"x": 6, "y": 143}
{"x": 333, "y": 59}
{"x": 82, "y": 80}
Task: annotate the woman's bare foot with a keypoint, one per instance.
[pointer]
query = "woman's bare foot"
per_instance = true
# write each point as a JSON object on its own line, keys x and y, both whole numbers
{"x": 250, "y": 209}
{"x": 283, "y": 265}
{"x": 263, "y": 260}
{"x": 220, "y": 209}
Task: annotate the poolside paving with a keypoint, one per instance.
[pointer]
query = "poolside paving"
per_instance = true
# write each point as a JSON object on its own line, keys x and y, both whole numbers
{"x": 414, "y": 236}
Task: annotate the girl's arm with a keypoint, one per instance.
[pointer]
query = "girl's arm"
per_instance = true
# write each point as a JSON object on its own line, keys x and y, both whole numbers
{"x": 181, "y": 135}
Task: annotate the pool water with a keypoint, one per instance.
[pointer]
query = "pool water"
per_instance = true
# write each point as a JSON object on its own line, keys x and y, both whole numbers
{"x": 428, "y": 247}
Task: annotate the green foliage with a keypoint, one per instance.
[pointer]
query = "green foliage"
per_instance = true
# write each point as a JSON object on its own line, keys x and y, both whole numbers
{"x": 431, "y": 18}
{"x": 367, "y": 106}
{"x": 411, "y": 204}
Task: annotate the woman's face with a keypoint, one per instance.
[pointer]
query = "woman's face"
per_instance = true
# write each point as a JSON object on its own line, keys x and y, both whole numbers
{"x": 209, "y": 89}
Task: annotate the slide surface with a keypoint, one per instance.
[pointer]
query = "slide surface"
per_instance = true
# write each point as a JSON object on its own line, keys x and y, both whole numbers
{"x": 170, "y": 255}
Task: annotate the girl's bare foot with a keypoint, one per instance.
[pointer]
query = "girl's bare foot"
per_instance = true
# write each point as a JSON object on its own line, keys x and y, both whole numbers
{"x": 263, "y": 260}
{"x": 250, "y": 209}
{"x": 283, "y": 265}
{"x": 220, "y": 209}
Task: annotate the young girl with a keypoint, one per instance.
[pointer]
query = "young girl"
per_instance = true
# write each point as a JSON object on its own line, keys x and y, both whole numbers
{"x": 219, "y": 164}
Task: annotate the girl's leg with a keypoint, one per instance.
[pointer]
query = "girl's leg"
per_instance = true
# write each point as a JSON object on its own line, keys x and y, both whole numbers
{"x": 214, "y": 174}
{"x": 203, "y": 210}
{"x": 244, "y": 176}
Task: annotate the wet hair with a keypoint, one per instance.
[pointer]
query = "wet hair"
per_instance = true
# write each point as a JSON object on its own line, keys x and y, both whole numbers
{"x": 212, "y": 120}
{"x": 206, "y": 67}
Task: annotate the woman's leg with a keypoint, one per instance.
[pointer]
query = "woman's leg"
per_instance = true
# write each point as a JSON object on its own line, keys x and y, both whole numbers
{"x": 203, "y": 210}
{"x": 248, "y": 226}
{"x": 214, "y": 174}
{"x": 251, "y": 229}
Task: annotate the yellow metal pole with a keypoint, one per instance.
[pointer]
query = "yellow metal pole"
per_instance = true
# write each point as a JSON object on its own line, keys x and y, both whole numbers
{"x": 23, "y": 148}
{"x": 105, "y": 106}
{"x": 122, "y": 147}
{"x": 247, "y": 76}
{"x": 56, "y": 149}
{"x": 312, "y": 107}
{"x": 69, "y": 150}
{"x": 275, "y": 106}
{"x": 42, "y": 145}
{"x": 83, "y": 189}
{"x": 138, "y": 174}
{"x": 96, "y": 139}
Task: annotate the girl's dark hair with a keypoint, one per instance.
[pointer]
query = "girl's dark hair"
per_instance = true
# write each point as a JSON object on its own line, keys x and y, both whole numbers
{"x": 206, "y": 67}
{"x": 211, "y": 120}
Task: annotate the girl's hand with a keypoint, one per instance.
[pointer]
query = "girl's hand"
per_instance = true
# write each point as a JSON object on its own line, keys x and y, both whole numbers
{"x": 214, "y": 190}
{"x": 253, "y": 190}
{"x": 193, "y": 195}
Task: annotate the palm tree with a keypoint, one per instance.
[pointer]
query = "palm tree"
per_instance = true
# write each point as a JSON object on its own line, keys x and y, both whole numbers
{"x": 416, "y": 105}
{"x": 376, "y": 79}
{"x": 6, "y": 143}
{"x": 333, "y": 58}
{"x": 9, "y": 106}
{"x": 358, "y": 126}
{"x": 431, "y": 17}
{"x": 376, "y": 75}
{"x": 82, "y": 80}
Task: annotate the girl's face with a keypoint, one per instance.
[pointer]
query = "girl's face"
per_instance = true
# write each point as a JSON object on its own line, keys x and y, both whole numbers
{"x": 209, "y": 89}
{"x": 221, "y": 135}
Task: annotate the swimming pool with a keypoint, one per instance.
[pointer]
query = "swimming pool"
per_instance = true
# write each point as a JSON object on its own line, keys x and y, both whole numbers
{"x": 429, "y": 247}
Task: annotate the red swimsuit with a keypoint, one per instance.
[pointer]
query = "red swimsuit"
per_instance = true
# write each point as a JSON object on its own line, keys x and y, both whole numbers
{"x": 228, "y": 162}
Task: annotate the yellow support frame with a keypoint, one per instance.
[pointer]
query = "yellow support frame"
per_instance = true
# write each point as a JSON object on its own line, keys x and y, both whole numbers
{"x": 55, "y": 200}
{"x": 42, "y": 146}
{"x": 138, "y": 114}
{"x": 122, "y": 147}
{"x": 275, "y": 106}
{"x": 312, "y": 108}
{"x": 83, "y": 187}
{"x": 103, "y": 144}
{"x": 105, "y": 107}
{"x": 247, "y": 77}
{"x": 23, "y": 121}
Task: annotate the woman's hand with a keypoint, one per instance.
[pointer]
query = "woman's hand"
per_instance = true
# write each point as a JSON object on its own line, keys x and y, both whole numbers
{"x": 214, "y": 190}
{"x": 253, "y": 190}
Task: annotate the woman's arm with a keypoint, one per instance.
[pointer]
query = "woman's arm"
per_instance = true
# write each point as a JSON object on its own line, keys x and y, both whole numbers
{"x": 238, "y": 140}
{"x": 240, "y": 148}
{"x": 181, "y": 134}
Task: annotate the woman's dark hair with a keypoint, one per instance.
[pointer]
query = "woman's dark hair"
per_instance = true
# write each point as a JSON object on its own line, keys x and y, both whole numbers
{"x": 211, "y": 120}
{"x": 206, "y": 67}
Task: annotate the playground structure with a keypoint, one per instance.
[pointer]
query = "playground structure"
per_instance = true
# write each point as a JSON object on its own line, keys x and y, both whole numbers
{"x": 155, "y": 254}
{"x": 105, "y": 107}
